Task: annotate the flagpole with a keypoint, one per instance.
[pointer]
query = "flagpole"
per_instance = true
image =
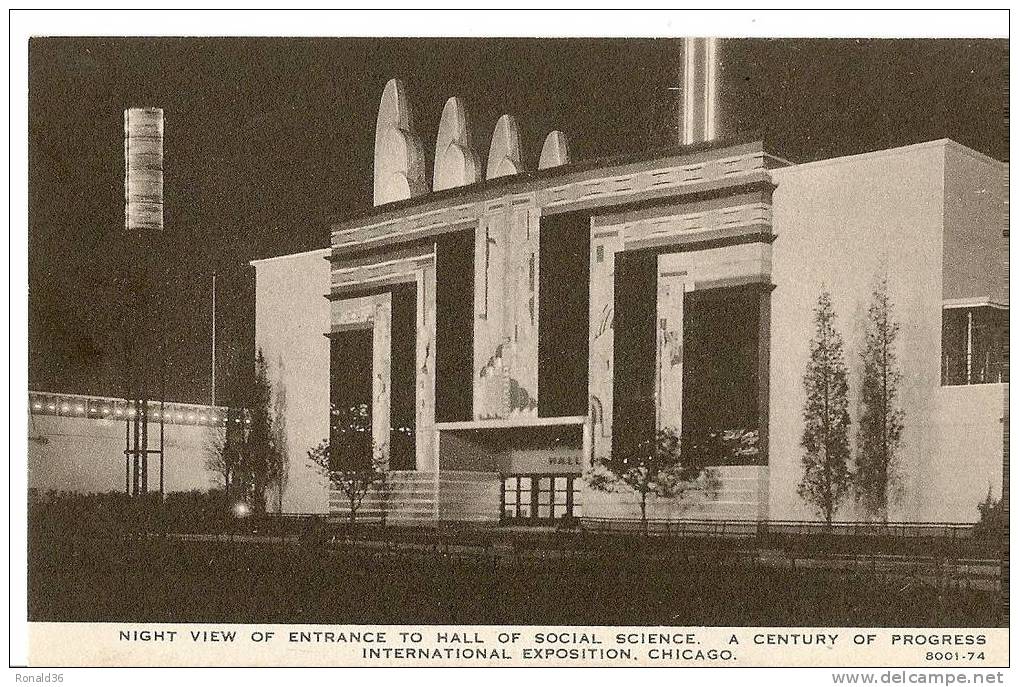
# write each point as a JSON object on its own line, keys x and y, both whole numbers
{"x": 213, "y": 338}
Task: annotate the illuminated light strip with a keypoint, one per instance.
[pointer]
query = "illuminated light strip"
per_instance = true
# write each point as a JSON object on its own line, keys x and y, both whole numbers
{"x": 96, "y": 407}
{"x": 700, "y": 69}
{"x": 688, "y": 83}
{"x": 709, "y": 90}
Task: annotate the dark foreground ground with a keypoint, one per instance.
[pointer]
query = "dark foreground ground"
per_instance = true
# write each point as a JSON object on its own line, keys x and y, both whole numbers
{"x": 170, "y": 580}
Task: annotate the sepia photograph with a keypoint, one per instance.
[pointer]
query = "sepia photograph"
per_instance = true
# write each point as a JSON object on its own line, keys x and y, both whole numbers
{"x": 656, "y": 335}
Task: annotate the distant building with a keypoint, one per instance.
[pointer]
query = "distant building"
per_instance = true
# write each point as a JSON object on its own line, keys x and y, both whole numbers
{"x": 510, "y": 327}
{"x": 76, "y": 443}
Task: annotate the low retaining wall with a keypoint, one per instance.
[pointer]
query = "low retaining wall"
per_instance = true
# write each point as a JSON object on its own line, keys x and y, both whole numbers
{"x": 742, "y": 495}
{"x": 466, "y": 496}
{"x": 469, "y": 496}
{"x": 426, "y": 497}
{"x": 410, "y": 500}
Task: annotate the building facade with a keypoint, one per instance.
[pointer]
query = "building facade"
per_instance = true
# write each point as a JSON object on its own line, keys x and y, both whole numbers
{"x": 506, "y": 329}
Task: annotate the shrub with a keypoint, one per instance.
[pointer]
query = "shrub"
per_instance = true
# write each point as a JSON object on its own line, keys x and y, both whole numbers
{"x": 993, "y": 522}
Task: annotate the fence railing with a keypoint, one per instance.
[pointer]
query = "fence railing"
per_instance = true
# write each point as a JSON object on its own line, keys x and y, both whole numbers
{"x": 940, "y": 530}
{"x": 952, "y": 531}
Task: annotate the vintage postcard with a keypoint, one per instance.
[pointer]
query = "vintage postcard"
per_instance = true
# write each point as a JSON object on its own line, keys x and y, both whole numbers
{"x": 673, "y": 349}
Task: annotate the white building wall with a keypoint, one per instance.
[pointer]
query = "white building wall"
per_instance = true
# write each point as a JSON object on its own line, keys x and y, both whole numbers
{"x": 843, "y": 223}
{"x": 291, "y": 320}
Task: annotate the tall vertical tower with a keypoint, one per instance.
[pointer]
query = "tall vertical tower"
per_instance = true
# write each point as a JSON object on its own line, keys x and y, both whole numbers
{"x": 143, "y": 225}
{"x": 700, "y": 63}
{"x": 143, "y": 169}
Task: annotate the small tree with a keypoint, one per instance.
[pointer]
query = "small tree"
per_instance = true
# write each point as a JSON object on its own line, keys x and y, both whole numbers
{"x": 347, "y": 457}
{"x": 881, "y": 419}
{"x": 825, "y": 440}
{"x": 648, "y": 466}
{"x": 993, "y": 521}
{"x": 224, "y": 454}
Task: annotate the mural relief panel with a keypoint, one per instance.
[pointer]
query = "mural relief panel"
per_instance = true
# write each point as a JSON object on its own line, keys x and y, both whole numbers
{"x": 506, "y": 314}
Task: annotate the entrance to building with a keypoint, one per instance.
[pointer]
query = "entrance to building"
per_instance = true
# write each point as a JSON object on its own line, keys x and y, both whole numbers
{"x": 539, "y": 499}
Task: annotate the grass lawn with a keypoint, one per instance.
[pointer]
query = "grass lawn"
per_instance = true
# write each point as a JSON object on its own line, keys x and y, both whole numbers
{"x": 96, "y": 579}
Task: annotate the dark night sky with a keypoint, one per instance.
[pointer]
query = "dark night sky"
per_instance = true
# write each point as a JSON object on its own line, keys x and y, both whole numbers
{"x": 265, "y": 137}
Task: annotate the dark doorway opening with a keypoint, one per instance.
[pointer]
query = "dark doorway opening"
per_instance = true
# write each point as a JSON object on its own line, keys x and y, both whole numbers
{"x": 721, "y": 375}
{"x": 403, "y": 373}
{"x": 633, "y": 327}
{"x": 350, "y": 399}
{"x": 563, "y": 293}
{"x": 454, "y": 327}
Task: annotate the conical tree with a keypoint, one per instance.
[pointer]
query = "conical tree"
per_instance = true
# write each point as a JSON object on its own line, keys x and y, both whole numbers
{"x": 881, "y": 419}
{"x": 825, "y": 441}
{"x": 279, "y": 465}
{"x": 259, "y": 445}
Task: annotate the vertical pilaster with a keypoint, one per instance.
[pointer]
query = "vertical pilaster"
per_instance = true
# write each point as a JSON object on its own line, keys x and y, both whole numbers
{"x": 382, "y": 327}
{"x": 605, "y": 243}
{"x": 425, "y": 393}
{"x": 763, "y": 371}
{"x": 669, "y": 357}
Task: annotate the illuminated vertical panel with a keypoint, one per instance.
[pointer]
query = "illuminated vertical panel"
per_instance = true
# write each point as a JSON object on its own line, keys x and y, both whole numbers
{"x": 709, "y": 88}
{"x": 700, "y": 75}
{"x": 143, "y": 169}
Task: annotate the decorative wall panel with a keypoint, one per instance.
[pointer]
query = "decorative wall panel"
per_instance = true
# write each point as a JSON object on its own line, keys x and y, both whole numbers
{"x": 506, "y": 313}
